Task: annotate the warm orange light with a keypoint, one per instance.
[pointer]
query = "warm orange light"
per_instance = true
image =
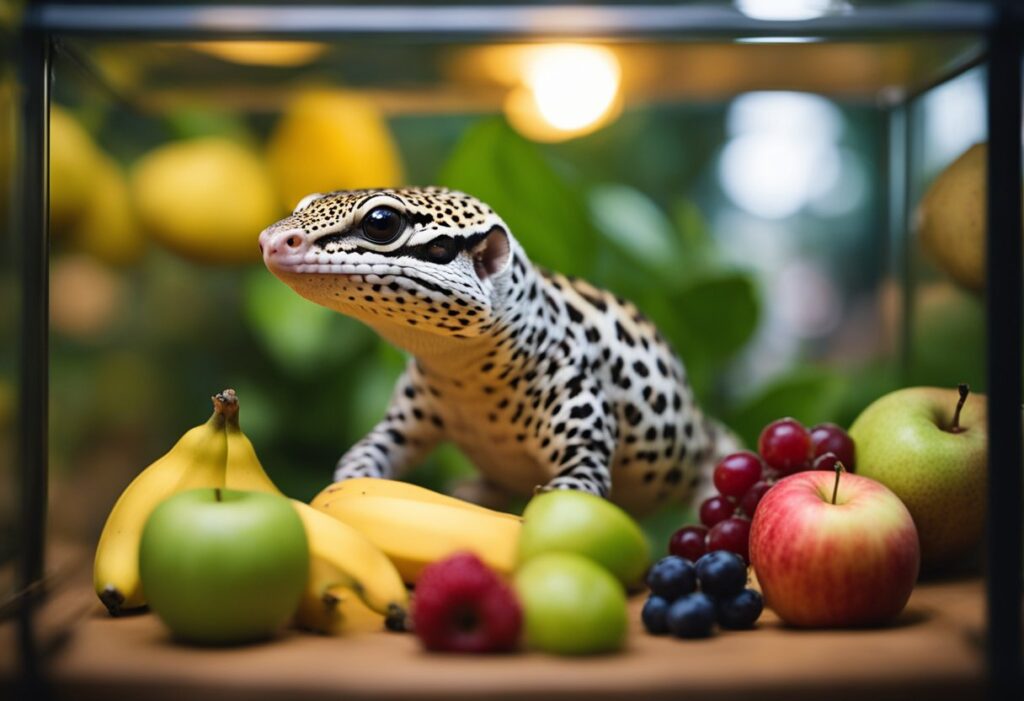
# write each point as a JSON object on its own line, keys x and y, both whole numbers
{"x": 566, "y": 90}
{"x": 262, "y": 53}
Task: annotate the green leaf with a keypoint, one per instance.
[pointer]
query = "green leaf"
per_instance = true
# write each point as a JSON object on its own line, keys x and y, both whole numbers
{"x": 369, "y": 393}
{"x": 697, "y": 243}
{"x": 712, "y": 319}
{"x": 300, "y": 336}
{"x": 547, "y": 214}
{"x": 947, "y": 339}
{"x": 809, "y": 395}
{"x": 197, "y": 123}
{"x": 659, "y": 526}
{"x": 443, "y": 470}
{"x": 635, "y": 225}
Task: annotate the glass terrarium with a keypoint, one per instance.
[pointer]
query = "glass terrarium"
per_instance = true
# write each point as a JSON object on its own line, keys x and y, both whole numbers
{"x": 793, "y": 192}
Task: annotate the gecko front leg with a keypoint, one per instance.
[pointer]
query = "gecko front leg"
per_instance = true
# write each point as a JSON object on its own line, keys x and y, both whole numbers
{"x": 410, "y": 429}
{"x": 580, "y": 439}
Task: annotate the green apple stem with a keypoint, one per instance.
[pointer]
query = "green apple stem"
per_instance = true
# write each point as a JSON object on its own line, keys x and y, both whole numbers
{"x": 964, "y": 389}
{"x": 835, "y": 486}
{"x": 216, "y": 494}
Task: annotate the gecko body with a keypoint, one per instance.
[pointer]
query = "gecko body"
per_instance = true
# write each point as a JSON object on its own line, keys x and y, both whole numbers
{"x": 539, "y": 378}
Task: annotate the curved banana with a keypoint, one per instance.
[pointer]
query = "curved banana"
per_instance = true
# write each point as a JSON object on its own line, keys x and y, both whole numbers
{"x": 338, "y": 610}
{"x": 342, "y": 557}
{"x": 414, "y": 534}
{"x": 244, "y": 470}
{"x": 357, "y": 487}
{"x": 198, "y": 459}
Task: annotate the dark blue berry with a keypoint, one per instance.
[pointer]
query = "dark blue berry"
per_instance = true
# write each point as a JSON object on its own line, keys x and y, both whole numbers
{"x": 654, "y": 615}
{"x": 692, "y": 616}
{"x": 672, "y": 577}
{"x": 722, "y": 573}
{"x": 740, "y": 611}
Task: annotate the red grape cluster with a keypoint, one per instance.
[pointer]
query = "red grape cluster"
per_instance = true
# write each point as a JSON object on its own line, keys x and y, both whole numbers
{"x": 785, "y": 448}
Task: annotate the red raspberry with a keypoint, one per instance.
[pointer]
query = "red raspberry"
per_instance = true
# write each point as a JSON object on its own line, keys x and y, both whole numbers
{"x": 462, "y": 606}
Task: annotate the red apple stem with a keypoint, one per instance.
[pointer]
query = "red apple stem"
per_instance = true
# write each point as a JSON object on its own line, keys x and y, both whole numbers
{"x": 217, "y": 494}
{"x": 835, "y": 487}
{"x": 964, "y": 389}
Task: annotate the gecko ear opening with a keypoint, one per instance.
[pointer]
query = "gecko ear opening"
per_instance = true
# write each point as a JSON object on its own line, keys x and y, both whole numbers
{"x": 491, "y": 255}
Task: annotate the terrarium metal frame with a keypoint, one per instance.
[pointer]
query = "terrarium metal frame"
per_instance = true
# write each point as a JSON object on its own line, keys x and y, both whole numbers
{"x": 999, "y": 23}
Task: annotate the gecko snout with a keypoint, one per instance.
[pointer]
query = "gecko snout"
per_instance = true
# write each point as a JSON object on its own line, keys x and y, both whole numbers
{"x": 282, "y": 245}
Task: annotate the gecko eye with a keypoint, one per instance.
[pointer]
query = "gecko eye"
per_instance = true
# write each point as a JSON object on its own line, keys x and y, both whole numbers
{"x": 382, "y": 225}
{"x": 443, "y": 249}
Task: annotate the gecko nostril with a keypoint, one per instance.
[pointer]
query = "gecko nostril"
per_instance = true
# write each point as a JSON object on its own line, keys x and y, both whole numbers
{"x": 261, "y": 247}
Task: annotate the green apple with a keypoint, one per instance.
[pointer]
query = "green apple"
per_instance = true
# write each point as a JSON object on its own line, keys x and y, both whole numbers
{"x": 930, "y": 447}
{"x": 220, "y": 566}
{"x": 577, "y": 522}
{"x": 571, "y": 605}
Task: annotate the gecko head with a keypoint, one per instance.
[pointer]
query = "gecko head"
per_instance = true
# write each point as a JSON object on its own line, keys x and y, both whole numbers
{"x": 429, "y": 258}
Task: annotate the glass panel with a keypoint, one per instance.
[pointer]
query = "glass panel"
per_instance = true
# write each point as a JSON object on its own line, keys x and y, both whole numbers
{"x": 735, "y": 190}
{"x": 947, "y": 176}
{"x": 10, "y": 293}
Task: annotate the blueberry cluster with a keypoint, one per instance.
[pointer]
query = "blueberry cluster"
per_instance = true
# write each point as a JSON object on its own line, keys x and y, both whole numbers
{"x": 687, "y": 599}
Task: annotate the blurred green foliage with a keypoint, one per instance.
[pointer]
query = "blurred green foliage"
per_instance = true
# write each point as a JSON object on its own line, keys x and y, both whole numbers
{"x": 312, "y": 382}
{"x": 545, "y": 211}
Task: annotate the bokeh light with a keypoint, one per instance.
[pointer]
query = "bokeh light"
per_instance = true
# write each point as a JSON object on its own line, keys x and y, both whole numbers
{"x": 263, "y": 53}
{"x": 567, "y": 90}
{"x": 788, "y": 9}
{"x": 783, "y": 152}
{"x": 954, "y": 119}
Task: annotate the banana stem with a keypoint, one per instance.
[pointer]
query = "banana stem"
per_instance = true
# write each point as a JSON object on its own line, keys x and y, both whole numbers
{"x": 225, "y": 406}
{"x": 226, "y": 403}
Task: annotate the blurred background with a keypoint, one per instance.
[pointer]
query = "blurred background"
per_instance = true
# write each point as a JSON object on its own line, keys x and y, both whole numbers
{"x": 737, "y": 192}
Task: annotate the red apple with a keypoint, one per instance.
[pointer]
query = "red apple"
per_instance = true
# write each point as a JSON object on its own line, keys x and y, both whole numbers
{"x": 829, "y": 555}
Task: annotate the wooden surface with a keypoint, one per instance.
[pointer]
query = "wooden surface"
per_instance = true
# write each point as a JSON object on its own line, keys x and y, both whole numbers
{"x": 934, "y": 649}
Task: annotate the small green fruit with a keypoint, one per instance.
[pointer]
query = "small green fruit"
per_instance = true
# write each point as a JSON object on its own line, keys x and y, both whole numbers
{"x": 571, "y": 605}
{"x": 220, "y": 566}
{"x": 581, "y": 523}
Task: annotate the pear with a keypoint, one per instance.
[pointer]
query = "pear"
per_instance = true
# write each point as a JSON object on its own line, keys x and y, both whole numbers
{"x": 930, "y": 446}
{"x": 951, "y": 218}
{"x": 583, "y": 524}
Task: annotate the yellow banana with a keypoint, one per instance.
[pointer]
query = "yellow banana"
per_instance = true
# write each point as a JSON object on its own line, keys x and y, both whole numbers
{"x": 416, "y": 533}
{"x": 336, "y": 610}
{"x": 244, "y": 470}
{"x": 198, "y": 459}
{"x": 358, "y": 487}
{"x": 341, "y": 557}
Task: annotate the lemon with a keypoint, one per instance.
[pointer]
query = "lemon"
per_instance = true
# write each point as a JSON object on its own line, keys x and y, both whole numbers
{"x": 331, "y": 140}
{"x": 206, "y": 199}
{"x": 107, "y": 228}
{"x": 73, "y": 159}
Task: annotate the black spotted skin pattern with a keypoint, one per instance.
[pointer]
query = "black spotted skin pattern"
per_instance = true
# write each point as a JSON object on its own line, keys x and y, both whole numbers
{"x": 542, "y": 380}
